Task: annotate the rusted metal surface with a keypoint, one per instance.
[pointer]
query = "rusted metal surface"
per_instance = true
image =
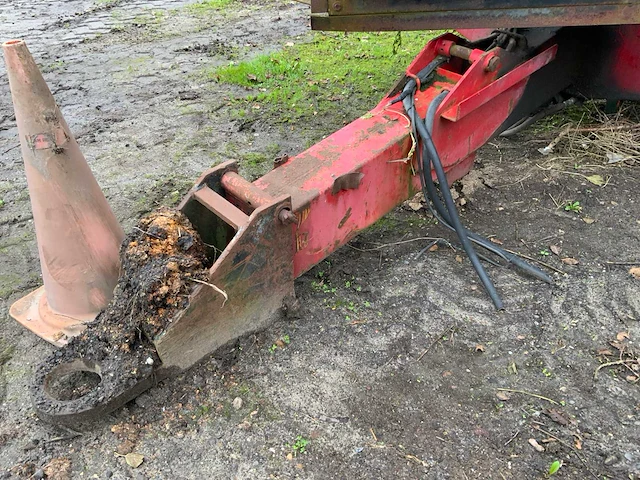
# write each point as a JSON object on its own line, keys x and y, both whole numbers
{"x": 222, "y": 208}
{"x": 247, "y": 194}
{"x": 255, "y": 271}
{"x": 379, "y": 15}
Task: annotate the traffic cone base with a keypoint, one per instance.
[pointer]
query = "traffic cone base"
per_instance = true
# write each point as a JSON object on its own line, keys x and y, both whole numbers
{"x": 34, "y": 313}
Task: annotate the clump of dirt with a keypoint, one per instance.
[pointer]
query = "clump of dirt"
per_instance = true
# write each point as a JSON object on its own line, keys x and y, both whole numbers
{"x": 58, "y": 469}
{"x": 161, "y": 256}
{"x": 160, "y": 259}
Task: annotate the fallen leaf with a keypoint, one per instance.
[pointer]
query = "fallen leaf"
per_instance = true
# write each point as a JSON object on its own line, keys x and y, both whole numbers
{"x": 615, "y": 157}
{"x": 414, "y": 206}
{"x": 479, "y": 348}
{"x": 604, "y": 351}
{"x": 458, "y": 259}
{"x": 622, "y": 336}
{"x": 496, "y": 241}
{"x": 632, "y": 378}
{"x": 433, "y": 247}
{"x": 557, "y": 416}
{"x": 570, "y": 261}
{"x": 503, "y": 396}
{"x": 548, "y": 440}
{"x": 536, "y": 445}
{"x": 134, "y": 460}
{"x": 555, "y": 466}
{"x": 596, "y": 180}
{"x": 280, "y": 343}
{"x": 577, "y": 442}
{"x": 555, "y": 249}
{"x": 416, "y": 202}
{"x": 289, "y": 456}
{"x": 617, "y": 345}
{"x": 588, "y": 220}
{"x": 635, "y": 272}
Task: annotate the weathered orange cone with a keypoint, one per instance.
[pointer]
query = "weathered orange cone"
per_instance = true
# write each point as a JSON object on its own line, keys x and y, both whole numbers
{"x": 78, "y": 235}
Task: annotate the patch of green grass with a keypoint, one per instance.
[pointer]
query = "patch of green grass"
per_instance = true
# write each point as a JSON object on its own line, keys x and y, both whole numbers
{"x": 585, "y": 114}
{"x": 206, "y": 7}
{"x": 153, "y": 17}
{"x": 57, "y": 65}
{"x": 254, "y": 159}
{"x": 6, "y": 352}
{"x": 258, "y": 163}
{"x": 329, "y": 74}
{"x": 323, "y": 286}
{"x": 300, "y": 445}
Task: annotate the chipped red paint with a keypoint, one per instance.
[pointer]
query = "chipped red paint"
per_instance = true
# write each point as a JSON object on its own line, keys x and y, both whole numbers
{"x": 376, "y": 146}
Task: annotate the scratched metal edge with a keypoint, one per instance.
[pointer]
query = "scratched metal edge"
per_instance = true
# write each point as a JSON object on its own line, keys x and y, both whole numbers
{"x": 616, "y": 14}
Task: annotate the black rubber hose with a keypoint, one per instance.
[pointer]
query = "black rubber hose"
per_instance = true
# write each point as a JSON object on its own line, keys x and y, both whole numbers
{"x": 444, "y": 217}
{"x": 550, "y": 110}
{"x": 430, "y": 152}
{"x": 423, "y": 75}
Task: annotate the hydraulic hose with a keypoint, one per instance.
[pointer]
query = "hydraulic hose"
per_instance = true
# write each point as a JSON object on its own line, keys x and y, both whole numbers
{"x": 443, "y": 216}
{"x": 422, "y": 76}
{"x": 429, "y": 151}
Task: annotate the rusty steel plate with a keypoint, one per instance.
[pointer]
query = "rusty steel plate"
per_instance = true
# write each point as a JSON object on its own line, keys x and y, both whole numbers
{"x": 380, "y": 15}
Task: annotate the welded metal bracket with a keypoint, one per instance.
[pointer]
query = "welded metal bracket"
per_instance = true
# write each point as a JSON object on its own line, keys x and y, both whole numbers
{"x": 255, "y": 270}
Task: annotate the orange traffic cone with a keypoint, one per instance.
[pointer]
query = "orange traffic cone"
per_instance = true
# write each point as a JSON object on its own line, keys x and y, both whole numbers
{"x": 78, "y": 235}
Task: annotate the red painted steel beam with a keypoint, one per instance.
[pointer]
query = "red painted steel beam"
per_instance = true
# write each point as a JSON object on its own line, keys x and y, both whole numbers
{"x": 348, "y": 181}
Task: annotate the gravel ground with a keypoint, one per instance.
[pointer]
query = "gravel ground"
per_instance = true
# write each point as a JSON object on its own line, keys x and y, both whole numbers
{"x": 392, "y": 368}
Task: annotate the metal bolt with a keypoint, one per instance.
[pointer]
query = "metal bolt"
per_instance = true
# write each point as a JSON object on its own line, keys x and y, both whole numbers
{"x": 337, "y": 6}
{"x": 281, "y": 160}
{"x": 492, "y": 66}
{"x": 286, "y": 216}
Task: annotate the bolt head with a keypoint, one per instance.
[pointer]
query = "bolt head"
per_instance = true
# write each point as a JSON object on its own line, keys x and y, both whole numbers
{"x": 494, "y": 63}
